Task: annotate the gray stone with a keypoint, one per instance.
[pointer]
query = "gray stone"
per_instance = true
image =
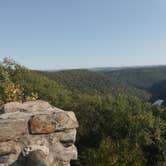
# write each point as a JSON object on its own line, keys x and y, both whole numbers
{"x": 38, "y": 105}
{"x": 9, "y": 152}
{"x": 12, "y": 107}
{"x": 57, "y": 121}
{"x": 29, "y": 106}
{"x": 12, "y": 129}
{"x": 37, "y": 134}
{"x": 7, "y": 147}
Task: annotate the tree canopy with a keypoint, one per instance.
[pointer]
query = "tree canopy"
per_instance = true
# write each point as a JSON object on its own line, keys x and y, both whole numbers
{"x": 115, "y": 130}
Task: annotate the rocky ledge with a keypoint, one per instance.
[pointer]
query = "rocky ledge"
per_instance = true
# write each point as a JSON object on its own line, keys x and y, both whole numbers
{"x": 35, "y": 133}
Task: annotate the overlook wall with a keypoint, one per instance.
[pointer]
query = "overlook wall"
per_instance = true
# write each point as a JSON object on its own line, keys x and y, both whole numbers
{"x": 37, "y": 134}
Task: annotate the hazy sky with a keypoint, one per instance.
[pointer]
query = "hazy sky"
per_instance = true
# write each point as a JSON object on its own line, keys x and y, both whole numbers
{"x": 56, "y": 34}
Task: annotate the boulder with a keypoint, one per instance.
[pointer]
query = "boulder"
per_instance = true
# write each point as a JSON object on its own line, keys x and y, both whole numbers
{"x": 12, "y": 107}
{"x": 29, "y": 106}
{"x": 36, "y": 133}
{"x": 7, "y": 147}
{"x": 38, "y": 105}
{"x": 9, "y": 152}
{"x": 59, "y": 121}
{"x": 12, "y": 129}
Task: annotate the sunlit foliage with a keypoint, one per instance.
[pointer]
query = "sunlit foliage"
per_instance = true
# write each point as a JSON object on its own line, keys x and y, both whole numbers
{"x": 114, "y": 130}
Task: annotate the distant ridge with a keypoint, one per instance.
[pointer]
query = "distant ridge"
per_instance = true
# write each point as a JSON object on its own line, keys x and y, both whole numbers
{"x": 125, "y": 67}
{"x": 92, "y": 82}
{"x": 150, "y": 78}
{"x": 109, "y": 68}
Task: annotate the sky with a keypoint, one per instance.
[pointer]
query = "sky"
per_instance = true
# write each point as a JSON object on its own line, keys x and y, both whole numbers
{"x": 62, "y": 34}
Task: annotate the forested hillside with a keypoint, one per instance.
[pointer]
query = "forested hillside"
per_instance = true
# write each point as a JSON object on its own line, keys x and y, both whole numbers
{"x": 158, "y": 90}
{"x": 114, "y": 130}
{"x": 152, "y": 79}
{"x": 91, "y": 82}
{"x": 141, "y": 77}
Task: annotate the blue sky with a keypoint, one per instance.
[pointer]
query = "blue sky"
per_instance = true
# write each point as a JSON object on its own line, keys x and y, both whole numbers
{"x": 57, "y": 34}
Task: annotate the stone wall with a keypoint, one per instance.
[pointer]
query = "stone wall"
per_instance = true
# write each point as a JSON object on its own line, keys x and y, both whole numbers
{"x": 35, "y": 133}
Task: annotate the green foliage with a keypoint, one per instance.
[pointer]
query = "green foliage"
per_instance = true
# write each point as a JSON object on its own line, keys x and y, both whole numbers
{"x": 143, "y": 77}
{"x": 124, "y": 131}
{"x": 91, "y": 82}
{"x": 12, "y": 90}
{"x": 113, "y": 153}
{"x": 115, "y": 130}
{"x": 150, "y": 79}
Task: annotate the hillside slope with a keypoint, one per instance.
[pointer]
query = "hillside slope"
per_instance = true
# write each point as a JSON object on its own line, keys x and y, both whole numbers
{"x": 91, "y": 82}
{"x": 119, "y": 130}
{"x": 142, "y": 77}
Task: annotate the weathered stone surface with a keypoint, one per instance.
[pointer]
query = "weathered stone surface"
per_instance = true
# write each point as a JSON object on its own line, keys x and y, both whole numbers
{"x": 12, "y": 129}
{"x": 43, "y": 124}
{"x": 4, "y": 164}
{"x": 68, "y": 136}
{"x": 38, "y": 105}
{"x": 29, "y": 106}
{"x": 9, "y": 152}
{"x": 7, "y": 147}
{"x": 12, "y": 107}
{"x": 65, "y": 149}
{"x": 37, "y": 134}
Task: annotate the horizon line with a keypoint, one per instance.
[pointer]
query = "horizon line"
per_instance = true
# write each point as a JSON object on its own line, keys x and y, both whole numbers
{"x": 101, "y": 67}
